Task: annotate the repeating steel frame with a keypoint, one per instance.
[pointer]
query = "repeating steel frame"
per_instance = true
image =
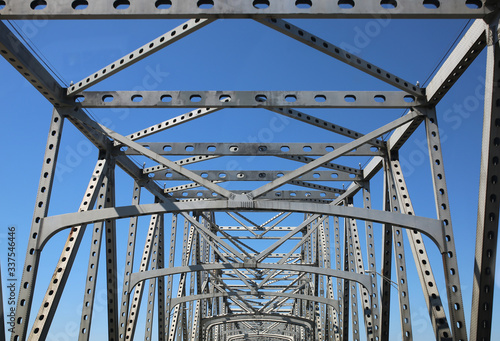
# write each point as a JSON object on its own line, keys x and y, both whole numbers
{"x": 227, "y": 289}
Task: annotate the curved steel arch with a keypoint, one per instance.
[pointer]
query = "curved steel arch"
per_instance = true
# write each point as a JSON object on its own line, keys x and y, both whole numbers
{"x": 364, "y": 280}
{"x": 276, "y": 336}
{"x": 432, "y": 228}
{"x": 206, "y": 324}
{"x": 318, "y": 299}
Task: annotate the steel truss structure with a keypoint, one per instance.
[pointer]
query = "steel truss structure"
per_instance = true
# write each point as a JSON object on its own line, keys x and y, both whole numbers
{"x": 269, "y": 278}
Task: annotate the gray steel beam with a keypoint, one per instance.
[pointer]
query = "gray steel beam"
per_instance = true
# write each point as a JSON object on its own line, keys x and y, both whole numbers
{"x": 386, "y": 266}
{"x": 135, "y": 297}
{"x": 139, "y": 54}
{"x": 13, "y": 50}
{"x": 247, "y": 99}
{"x": 336, "y": 52}
{"x": 450, "y": 263}
{"x": 93, "y": 267}
{"x": 488, "y": 207}
{"x": 430, "y": 227}
{"x": 333, "y": 154}
{"x": 256, "y": 175}
{"x": 91, "y": 124}
{"x": 469, "y": 47}
{"x": 29, "y": 276}
{"x": 364, "y": 280}
{"x": 60, "y": 276}
{"x": 161, "y": 280}
{"x": 172, "y": 9}
{"x": 422, "y": 262}
{"x": 250, "y": 149}
{"x": 400, "y": 262}
{"x": 232, "y": 318}
{"x": 111, "y": 263}
{"x": 129, "y": 262}
{"x": 320, "y": 123}
{"x": 175, "y": 121}
{"x": 371, "y": 260}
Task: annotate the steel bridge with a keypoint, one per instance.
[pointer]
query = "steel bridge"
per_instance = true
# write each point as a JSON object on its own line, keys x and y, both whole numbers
{"x": 282, "y": 252}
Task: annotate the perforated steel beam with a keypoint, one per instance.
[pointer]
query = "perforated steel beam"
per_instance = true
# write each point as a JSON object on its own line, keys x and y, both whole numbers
{"x": 247, "y": 99}
{"x": 172, "y": 9}
{"x": 488, "y": 209}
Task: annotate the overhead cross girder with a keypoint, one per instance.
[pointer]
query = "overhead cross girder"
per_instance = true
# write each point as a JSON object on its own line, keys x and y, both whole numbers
{"x": 428, "y": 226}
{"x": 247, "y": 99}
{"x": 173, "y": 9}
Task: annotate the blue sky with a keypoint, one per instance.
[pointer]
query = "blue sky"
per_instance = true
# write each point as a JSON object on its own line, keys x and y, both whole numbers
{"x": 240, "y": 55}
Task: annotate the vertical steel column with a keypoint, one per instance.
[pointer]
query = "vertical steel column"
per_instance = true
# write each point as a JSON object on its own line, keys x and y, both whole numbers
{"x": 346, "y": 294}
{"x": 30, "y": 269}
{"x": 151, "y": 298}
{"x": 111, "y": 267}
{"x": 353, "y": 285}
{"x": 58, "y": 281}
{"x": 372, "y": 262}
{"x": 138, "y": 290}
{"x": 129, "y": 263}
{"x": 186, "y": 254}
{"x": 360, "y": 268}
{"x": 489, "y": 196}
{"x": 93, "y": 267}
{"x": 170, "y": 279}
{"x": 443, "y": 212}
{"x": 338, "y": 266}
{"x": 161, "y": 280}
{"x": 386, "y": 270}
{"x": 400, "y": 260}
{"x": 429, "y": 286}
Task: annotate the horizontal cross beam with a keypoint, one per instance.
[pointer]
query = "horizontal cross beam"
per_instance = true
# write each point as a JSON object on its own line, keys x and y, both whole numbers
{"x": 251, "y": 149}
{"x": 430, "y": 227}
{"x": 247, "y": 99}
{"x": 178, "y": 9}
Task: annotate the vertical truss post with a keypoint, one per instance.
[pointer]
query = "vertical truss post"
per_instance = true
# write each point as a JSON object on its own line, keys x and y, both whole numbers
{"x": 359, "y": 267}
{"x": 450, "y": 263}
{"x": 161, "y": 280}
{"x": 386, "y": 270}
{"x": 170, "y": 279}
{"x": 428, "y": 282}
{"x": 129, "y": 262}
{"x": 56, "y": 287}
{"x": 400, "y": 260}
{"x": 345, "y": 294}
{"x": 30, "y": 269}
{"x": 93, "y": 267}
{"x": 111, "y": 268}
{"x": 139, "y": 288}
{"x": 352, "y": 285}
{"x": 372, "y": 262}
{"x": 181, "y": 291}
{"x": 338, "y": 266}
{"x": 151, "y": 298}
{"x": 489, "y": 192}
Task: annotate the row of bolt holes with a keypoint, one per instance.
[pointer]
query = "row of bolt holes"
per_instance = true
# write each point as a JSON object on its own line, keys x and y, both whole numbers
{"x": 258, "y": 98}
{"x": 260, "y": 149}
{"x": 261, "y": 175}
{"x": 278, "y": 194}
{"x": 260, "y": 4}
